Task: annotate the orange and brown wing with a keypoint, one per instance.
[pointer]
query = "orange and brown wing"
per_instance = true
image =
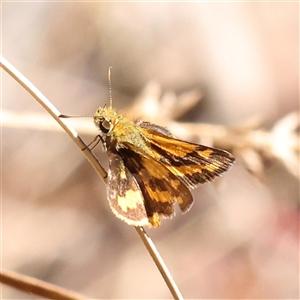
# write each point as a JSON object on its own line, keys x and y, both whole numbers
{"x": 192, "y": 163}
{"x": 159, "y": 186}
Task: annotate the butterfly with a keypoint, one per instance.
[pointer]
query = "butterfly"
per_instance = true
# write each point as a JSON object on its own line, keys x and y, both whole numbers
{"x": 150, "y": 170}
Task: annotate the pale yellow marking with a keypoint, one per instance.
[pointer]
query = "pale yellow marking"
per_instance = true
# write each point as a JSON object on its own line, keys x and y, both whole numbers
{"x": 130, "y": 200}
{"x": 175, "y": 171}
{"x": 154, "y": 220}
{"x": 123, "y": 173}
{"x": 206, "y": 153}
{"x": 213, "y": 167}
{"x": 164, "y": 196}
{"x": 142, "y": 222}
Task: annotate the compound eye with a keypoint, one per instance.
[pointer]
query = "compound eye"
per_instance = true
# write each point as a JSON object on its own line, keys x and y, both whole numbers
{"x": 104, "y": 126}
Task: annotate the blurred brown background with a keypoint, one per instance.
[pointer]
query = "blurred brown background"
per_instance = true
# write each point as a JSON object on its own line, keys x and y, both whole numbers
{"x": 240, "y": 240}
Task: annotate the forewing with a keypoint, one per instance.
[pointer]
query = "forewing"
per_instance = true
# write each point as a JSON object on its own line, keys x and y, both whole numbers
{"x": 192, "y": 163}
{"x": 124, "y": 195}
{"x": 160, "y": 187}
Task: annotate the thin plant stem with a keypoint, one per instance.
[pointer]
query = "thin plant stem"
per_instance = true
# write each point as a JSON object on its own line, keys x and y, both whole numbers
{"x": 37, "y": 287}
{"x": 159, "y": 263}
{"x": 52, "y": 110}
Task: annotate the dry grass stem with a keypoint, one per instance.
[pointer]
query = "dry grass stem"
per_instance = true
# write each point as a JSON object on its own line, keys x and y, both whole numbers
{"x": 159, "y": 263}
{"x": 37, "y": 287}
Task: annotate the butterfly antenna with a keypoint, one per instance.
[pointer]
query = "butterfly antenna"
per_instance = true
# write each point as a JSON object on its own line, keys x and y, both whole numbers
{"x": 67, "y": 116}
{"x": 109, "y": 86}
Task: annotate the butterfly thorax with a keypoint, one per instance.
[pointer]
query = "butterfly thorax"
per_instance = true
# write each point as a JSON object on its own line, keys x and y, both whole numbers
{"x": 117, "y": 131}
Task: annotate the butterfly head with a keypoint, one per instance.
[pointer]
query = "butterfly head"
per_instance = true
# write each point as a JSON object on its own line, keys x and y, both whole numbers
{"x": 105, "y": 118}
